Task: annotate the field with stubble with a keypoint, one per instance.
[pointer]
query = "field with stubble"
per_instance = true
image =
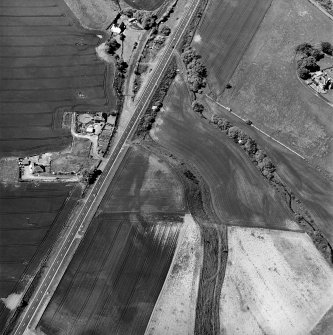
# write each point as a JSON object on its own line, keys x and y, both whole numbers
{"x": 276, "y": 282}
{"x": 48, "y": 64}
{"x": 116, "y": 275}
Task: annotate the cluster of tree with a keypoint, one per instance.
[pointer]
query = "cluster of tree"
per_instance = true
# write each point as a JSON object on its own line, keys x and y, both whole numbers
{"x": 164, "y": 30}
{"x": 145, "y": 18}
{"x": 196, "y": 70}
{"x": 112, "y": 45}
{"x": 327, "y": 4}
{"x": 197, "y": 107}
{"x": 90, "y": 176}
{"x": 121, "y": 65}
{"x": 327, "y": 48}
{"x": 257, "y": 155}
{"x": 308, "y": 61}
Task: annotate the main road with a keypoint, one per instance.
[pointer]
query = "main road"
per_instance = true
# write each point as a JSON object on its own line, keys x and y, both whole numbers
{"x": 86, "y": 213}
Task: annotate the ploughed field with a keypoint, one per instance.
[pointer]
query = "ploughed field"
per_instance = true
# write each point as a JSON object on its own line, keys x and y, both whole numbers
{"x": 240, "y": 195}
{"x": 116, "y": 275}
{"x": 30, "y": 219}
{"x": 48, "y": 64}
{"x": 145, "y": 4}
{"x": 225, "y": 31}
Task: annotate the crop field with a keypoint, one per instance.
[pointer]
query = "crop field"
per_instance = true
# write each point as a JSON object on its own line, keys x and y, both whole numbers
{"x": 47, "y": 62}
{"x": 145, "y": 4}
{"x": 30, "y": 219}
{"x": 225, "y": 31}
{"x": 276, "y": 282}
{"x": 174, "y": 312}
{"x": 240, "y": 195}
{"x": 116, "y": 275}
{"x": 266, "y": 88}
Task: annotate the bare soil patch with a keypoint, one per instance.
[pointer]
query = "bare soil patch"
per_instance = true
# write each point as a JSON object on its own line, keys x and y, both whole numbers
{"x": 276, "y": 282}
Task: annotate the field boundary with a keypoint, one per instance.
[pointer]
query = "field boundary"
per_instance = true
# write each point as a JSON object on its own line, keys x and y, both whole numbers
{"x": 255, "y": 127}
{"x": 321, "y": 9}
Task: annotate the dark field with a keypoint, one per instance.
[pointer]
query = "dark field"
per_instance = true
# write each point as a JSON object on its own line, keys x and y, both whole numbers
{"x": 225, "y": 31}
{"x": 115, "y": 277}
{"x": 30, "y": 219}
{"x": 47, "y": 62}
{"x": 240, "y": 195}
{"x": 145, "y": 4}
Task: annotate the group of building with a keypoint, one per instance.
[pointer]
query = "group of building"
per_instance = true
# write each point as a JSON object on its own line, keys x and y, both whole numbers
{"x": 321, "y": 81}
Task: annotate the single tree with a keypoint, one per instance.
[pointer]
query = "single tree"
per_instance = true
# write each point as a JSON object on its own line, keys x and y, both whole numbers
{"x": 303, "y": 73}
{"x": 327, "y": 48}
{"x": 198, "y": 107}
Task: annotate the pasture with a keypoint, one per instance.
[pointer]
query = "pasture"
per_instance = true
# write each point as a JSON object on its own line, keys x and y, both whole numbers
{"x": 31, "y": 218}
{"x": 267, "y": 90}
{"x": 276, "y": 282}
{"x": 116, "y": 275}
{"x": 224, "y": 33}
{"x": 47, "y": 62}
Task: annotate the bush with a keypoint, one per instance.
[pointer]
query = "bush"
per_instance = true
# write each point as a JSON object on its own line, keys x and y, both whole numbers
{"x": 260, "y": 155}
{"x": 310, "y": 64}
{"x": 141, "y": 68}
{"x": 303, "y": 73}
{"x": 165, "y": 30}
{"x": 250, "y": 146}
{"x": 128, "y": 12}
{"x": 317, "y": 54}
{"x": 304, "y": 48}
{"x": 223, "y": 124}
{"x": 188, "y": 56}
{"x": 149, "y": 21}
{"x": 327, "y": 48}
{"x": 112, "y": 45}
{"x": 197, "y": 107}
{"x": 233, "y": 132}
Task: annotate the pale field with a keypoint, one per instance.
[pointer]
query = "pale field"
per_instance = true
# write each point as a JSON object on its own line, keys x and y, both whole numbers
{"x": 276, "y": 282}
{"x": 94, "y": 14}
{"x": 174, "y": 311}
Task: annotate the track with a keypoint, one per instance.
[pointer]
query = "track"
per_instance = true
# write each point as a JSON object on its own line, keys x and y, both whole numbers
{"x": 80, "y": 224}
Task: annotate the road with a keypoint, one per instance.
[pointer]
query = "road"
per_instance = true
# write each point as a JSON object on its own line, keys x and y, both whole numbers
{"x": 81, "y": 223}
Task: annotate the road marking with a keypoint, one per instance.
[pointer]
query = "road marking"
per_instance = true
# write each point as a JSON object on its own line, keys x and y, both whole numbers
{"x": 126, "y": 134}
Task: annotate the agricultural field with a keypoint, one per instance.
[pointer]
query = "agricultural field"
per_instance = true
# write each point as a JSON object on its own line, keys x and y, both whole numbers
{"x": 48, "y": 64}
{"x": 115, "y": 277}
{"x": 31, "y": 217}
{"x": 266, "y": 89}
{"x": 240, "y": 195}
{"x": 174, "y": 312}
{"x": 276, "y": 282}
{"x": 145, "y": 4}
{"x": 224, "y": 33}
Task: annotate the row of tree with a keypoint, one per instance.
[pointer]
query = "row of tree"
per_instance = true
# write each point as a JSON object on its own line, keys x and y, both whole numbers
{"x": 196, "y": 70}
{"x": 257, "y": 155}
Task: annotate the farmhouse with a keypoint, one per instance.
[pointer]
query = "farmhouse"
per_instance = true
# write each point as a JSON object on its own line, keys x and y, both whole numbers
{"x": 321, "y": 81}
